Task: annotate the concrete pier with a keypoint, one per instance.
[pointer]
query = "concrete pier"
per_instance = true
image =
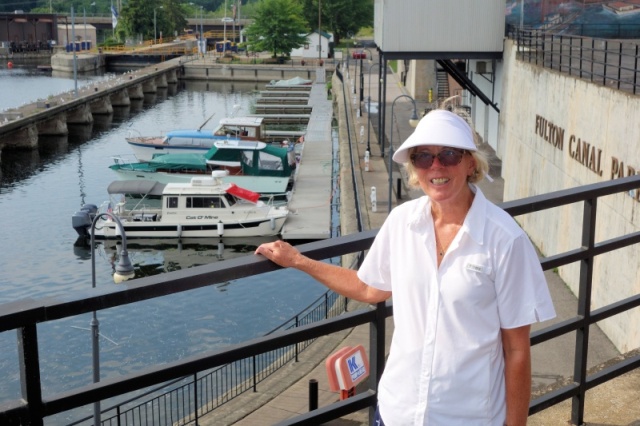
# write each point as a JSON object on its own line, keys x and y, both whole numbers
{"x": 120, "y": 98}
{"x": 101, "y": 106}
{"x": 149, "y": 86}
{"x": 85, "y": 62}
{"x": 20, "y": 127}
{"x": 80, "y": 114}
{"x": 135, "y": 92}
{"x": 55, "y": 126}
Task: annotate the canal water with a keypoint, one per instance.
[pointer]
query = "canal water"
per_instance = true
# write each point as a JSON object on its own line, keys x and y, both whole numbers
{"x": 40, "y": 255}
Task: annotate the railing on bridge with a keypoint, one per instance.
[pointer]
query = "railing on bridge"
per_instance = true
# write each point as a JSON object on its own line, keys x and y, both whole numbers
{"x": 611, "y": 63}
{"x": 26, "y": 316}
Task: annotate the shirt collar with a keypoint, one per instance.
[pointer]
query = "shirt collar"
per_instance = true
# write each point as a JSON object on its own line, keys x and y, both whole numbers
{"x": 473, "y": 224}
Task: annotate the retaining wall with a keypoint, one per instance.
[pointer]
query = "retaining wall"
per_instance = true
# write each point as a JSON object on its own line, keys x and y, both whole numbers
{"x": 560, "y": 132}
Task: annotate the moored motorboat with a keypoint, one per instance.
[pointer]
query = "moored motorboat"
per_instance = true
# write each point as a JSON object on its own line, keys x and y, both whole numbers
{"x": 203, "y": 208}
{"x": 253, "y": 165}
{"x": 198, "y": 141}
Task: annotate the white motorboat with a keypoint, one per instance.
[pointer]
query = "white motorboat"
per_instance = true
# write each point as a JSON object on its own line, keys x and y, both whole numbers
{"x": 203, "y": 208}
{"x": 197, "y": 141}
{"x": 254, "y": 165}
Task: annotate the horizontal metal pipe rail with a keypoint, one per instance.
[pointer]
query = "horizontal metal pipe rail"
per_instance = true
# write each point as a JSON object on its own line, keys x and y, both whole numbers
{"x": 25, "y": 315}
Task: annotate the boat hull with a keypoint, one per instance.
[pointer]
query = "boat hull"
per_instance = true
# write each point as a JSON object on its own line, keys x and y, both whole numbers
{"x": 266, "y": 185}
{"x": 197, "y": 228}
{"x": 146, "y": 151}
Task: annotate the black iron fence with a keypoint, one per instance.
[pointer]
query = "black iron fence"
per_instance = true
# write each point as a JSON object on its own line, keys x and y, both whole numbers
{"x": 184, "y": 400}
{"x": 26, "y": 316}
{"x": 611, "y": 63}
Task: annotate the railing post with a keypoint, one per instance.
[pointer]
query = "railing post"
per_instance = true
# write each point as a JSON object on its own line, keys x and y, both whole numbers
{"x": 255, "y": 379}
{"x": 297, "y": 325}
{"x": 313, "y": 394}
{"x": 195, "y": 397}
{"x": 326, "y": 305}
{"x": 584, "y": 311}
{"x": 635, "y": 73}
{"x": 30, "y": 373}
{"x": 581, "y": 52}
{"x": 377, "y": 333}
{"x": 606, "y": 58}
{"x": 619, "y": 64}
{"x": 593, "y": 52}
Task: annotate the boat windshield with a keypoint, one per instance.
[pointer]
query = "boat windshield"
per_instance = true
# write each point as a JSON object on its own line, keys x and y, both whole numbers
{"x": 210, "y": 202}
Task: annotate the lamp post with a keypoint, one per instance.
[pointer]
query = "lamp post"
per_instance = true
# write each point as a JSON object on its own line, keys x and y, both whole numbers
{"x": 413, "y": 121}
{"x": 124, "y": 271}
{"x": 362, "y": 74}
{"x": 155, "y": 33}
{"x": 369, "y": 110}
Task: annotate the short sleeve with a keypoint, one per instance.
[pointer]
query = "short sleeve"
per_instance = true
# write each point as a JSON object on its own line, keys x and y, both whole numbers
{"x": 521, "y": 288}
{"x": 376, "y": 269}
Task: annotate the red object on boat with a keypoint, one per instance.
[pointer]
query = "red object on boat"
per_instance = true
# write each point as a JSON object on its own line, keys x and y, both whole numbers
{"x": 245, "y": 194}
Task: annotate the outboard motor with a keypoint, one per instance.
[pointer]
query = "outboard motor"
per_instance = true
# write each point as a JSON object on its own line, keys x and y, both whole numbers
{"x": 82, "y": 219}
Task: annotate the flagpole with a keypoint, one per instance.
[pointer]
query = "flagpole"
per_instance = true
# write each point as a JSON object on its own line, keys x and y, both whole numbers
{"x": 114, "y": 21}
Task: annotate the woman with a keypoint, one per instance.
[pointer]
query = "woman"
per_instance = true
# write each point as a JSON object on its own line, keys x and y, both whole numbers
{"x": 466, "y": 285}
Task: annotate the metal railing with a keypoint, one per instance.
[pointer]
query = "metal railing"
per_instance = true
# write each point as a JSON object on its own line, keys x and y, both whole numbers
{"x": 25, "y": 316}
{"x": 178, "y": 402}
{"x": 611, "y": 63}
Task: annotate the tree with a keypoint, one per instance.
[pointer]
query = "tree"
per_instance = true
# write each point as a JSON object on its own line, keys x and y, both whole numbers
{"x": 340, "y": 17}
{"x": 137, "y": 17}
{"x": 278, "y": 27}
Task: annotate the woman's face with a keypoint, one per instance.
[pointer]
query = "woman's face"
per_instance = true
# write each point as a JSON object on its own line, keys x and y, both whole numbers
{"x": 445, "y": 179}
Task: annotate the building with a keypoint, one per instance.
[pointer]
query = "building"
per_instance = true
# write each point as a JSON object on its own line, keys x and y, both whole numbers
{"x": 310, "y": 49}
{"x": 83, "y": 33}
{"x": 28, "y": 32}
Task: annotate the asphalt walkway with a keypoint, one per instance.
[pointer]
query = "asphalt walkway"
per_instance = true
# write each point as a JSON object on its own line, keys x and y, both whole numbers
{"x": 285, "y": 394}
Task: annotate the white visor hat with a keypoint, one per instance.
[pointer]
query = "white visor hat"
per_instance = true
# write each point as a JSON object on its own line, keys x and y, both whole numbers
{"x": 440, "y": 128}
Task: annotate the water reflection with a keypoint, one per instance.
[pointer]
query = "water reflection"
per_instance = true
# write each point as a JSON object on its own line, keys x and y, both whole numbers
{"x": 159, "y": 255}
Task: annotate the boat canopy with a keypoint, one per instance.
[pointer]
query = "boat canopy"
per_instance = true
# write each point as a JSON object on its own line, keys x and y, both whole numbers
{"x": 261, "y": 160}
{"x": 138, "y": 186}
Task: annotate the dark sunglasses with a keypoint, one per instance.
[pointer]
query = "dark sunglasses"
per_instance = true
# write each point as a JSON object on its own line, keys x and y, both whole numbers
{"x": 446, "y": 157}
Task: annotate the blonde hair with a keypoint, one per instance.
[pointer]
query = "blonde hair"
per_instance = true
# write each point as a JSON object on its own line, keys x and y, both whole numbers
{"x": 480, "y": 156}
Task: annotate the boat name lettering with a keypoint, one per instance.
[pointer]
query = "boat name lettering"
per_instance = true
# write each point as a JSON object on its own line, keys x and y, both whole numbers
{"x": 201, "y": 217}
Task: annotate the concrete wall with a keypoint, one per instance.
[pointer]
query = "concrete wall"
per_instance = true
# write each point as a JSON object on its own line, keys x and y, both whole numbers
{"x": 545, "y": 117}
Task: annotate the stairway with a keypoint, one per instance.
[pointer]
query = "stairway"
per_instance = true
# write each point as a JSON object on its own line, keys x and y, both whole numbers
{"x": 442, "y": 81}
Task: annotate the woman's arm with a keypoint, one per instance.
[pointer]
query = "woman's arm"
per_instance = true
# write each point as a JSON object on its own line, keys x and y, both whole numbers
{"x": 517, "y": 372}
{"x": 341, "y": 280}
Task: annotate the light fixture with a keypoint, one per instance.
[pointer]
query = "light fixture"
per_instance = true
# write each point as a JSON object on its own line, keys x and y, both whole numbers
{"x": 413, "y": 122}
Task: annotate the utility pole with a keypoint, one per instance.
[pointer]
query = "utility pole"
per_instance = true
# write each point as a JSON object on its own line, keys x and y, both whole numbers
{"x": 319, "y": 31}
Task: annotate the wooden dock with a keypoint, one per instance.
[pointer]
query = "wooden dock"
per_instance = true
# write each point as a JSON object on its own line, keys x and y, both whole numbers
{"x": 310, "y": 205}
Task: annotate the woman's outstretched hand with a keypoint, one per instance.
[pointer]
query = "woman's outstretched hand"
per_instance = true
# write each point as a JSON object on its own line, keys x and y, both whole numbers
{"x": 280, "y": 252}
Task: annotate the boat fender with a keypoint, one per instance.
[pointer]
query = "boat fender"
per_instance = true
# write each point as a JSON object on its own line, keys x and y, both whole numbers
{"x": 273, "y": 223}
{"x": 220, "y": 226}
{"x": 179, "y": 229}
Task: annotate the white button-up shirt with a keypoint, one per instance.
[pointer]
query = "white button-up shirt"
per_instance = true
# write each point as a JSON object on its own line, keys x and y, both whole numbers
{"x": 446, "y": 363}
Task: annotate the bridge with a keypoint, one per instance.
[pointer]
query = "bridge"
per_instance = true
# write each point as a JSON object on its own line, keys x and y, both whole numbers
{"x": 103, "y": 22}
